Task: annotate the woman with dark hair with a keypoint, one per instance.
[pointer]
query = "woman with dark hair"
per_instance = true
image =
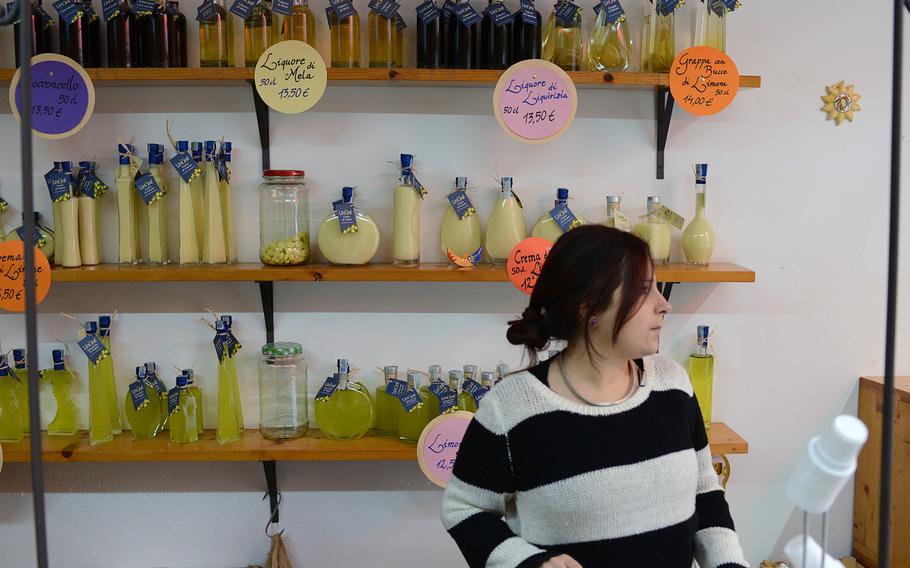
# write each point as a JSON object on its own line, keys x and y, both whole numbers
{"x": 599, "y": 456}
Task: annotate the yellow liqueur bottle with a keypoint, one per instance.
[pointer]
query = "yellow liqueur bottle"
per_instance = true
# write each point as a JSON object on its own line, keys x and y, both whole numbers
{"x": 658, "y": 43}
{"x": 10, "y": 415}
{"x": 698, "y": 239}
{"x": 107, "y": 372}
{"x": 469, "y": 389}
{"x": 655, "y": 232}
{"x": 100, "y": 427}
{"x": 386, "y": 404}
{"x": 460, "y": 233}
{"x": 230, "y": 410}
{"x": 196, "y": 392}
{"x": 62, "y": 381}
{"x": 407, "y": 197}
{"x": 300, "y": 24}
{"x": 711, "y": 22}
{"x": 701, "y": 373}
{"x": 506, "y": 226}
{"x": 610, "y": 45}
{"x": 142, "y": 406}
{"x": 411, "y": 417}
{"x": 559, "y": 220}
{"x": 182, "y": 413}
{"x": 216, "y": 40}
{"x": 382, "y": 34}
{"x": 563, "y": 43}
{"x": 20, "y": 372}
{"x": 431, "y": 392}
{"x": 344, "y": 27}
{"x": 343, "y": 408}
{"x": 348, "y": 237}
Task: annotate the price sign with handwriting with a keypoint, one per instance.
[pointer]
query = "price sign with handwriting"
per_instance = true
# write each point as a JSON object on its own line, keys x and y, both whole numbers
{"x": 291, "y": 77}
{"x": 525, "y": 262}
{"x": 704, "y": 80}
{"x": 63, "y": 96}
{"x": 439, "y": 443}
{"x": 12, "y": 276}
{"x": 535, "y": 101}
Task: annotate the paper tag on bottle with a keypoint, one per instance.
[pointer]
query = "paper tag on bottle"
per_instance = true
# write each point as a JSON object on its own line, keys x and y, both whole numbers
{"x": 396, "y": 388}
{"x": 206, "y": 11}
{"x": 3, "y": 205}
{"x": 461, "y": 203}
{"x": 528, "y": 12}
{"x": 385, "y": 8}
{"x": 400, "y": 24}
{"x": 466, "y": 14}
{"x": 347, "y": 219}
{"x": 666, "y": 7}
{"x": 144, "y": 7}
{"x": 58, "y": 185}
{"x": 110, "y": 9}
{"x": 448, "y": 8}
{"x": 158, "y": 385}
{"x": 148, "y": 189}
{"x": 89, "y": 184}
{"x": 716, "y": 7}
{"x": 231, "y": 345}
{"x": 667, "y": 215}
{"x": 499, "y": 13}
{"x": 428, "y": 12}
{"x": 622, "y": 222}
{"x": 411, "y": 401}
{"x": 328, "y": 387}
{"x": 46, "y": 20}
{"x": 68, "y": 10}
{"x": 89, "y": 15}
{"x": 39, "y": 239}
{"x": 566, "y": 11}
{"x": 173, "y": 400}
{"x": 564, "y": 217}
{"x": 135, "y": 164}
{"x": 186, "y": 167}
{"x": 438, "y": 388}
{"x": 343, "y": 8}
{"x": 475, "y": 389}
{"x": 448, "y": 401}
{"x": 615, "y": 13}
{"x": 243, "y": 8}
{"x": 219, "y": 347}
{"x": 282, "y": 7}
{"x": 93, "y": 348}
{"x": 138, "y": 394}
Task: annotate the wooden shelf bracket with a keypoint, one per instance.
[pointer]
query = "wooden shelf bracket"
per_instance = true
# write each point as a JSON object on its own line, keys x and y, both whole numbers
{"x": 664, "y": 107}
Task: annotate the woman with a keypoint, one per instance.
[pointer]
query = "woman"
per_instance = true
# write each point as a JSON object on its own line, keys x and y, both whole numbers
{"x": 597, "y": 457}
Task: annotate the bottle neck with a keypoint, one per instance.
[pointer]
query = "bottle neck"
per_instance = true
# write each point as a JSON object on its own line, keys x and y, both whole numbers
{"x": 700, "y": 201}
{"x": 701, "y": 350}
{"x": 612, "y": 209}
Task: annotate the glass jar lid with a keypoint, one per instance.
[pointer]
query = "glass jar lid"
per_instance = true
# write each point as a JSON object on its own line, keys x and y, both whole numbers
{"x": 283, "y": 173}
{"x": 282, "y": 349}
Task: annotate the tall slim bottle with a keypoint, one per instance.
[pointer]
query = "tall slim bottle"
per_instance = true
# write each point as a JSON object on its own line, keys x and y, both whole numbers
{"x": 496, "y": 36}
{"x": 10, "y": 408}
{"x": 383, "y": 38}
{"x": 57, "y": 212}
{"x": 260, "y": 32}
{"x": 699, "y": 240}
{"x": 527, "y": 32}
{"x": 345, "y": 39}
{"x": 127, "y": 210}
{"x": 62, "y": 381}
{"x": 20, "y": 370}
{"x": 153, "y": 44}
{"x": 701, "y": 373}
{"x": 230, "y": 412}
{"x": 92, "y": 29}
{"x": 430, "y": 44}
{"x": 506, "y": 226}
{"x": 106, "y": 371}
{"x": 386, "y": 404}
{"x": 123, "y": 38}
{"x": 37, "y": 24}
{"x": 74, "y": 37}
{"x": 227, "y": 210}
{"x": 157, "y": 210}
{"x": 100, "y": 427}
{"x": 176, "y": 35}
{"x": 300, "y": 24}
{"x": 711, "y": 24}
{"x": 68, "y": 235}
{"x": 406, "y": 207}
{"x": 610, "y": 46}
{"x": 213, "y": 245}
{"x": 187, "y": 244}
{"x": 216, "y": 41}
{"x": 88, "y": 205}
{"x": 564, "y": 43}
{"x": 658, "y": 38}
{"x": 197, "y": 189}
{"x": 462, "y": 41}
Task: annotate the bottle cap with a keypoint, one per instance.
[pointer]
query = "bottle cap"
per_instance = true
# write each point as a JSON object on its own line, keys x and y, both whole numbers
{"x": 456, "y": 374}
{"x": 470, "y": 370}
{"x": 19, "y": 358}
{"x": 210, "y": 146}
{"x": 701, "y": 173}
{"x": 228, "y": 321}
{"x": 487, "y": 377}
{"x": 189, "y": 375}
{"x": 140, "y": 372}
{"x": 86, "y": 165}
{"x": 390, "y": 370}
{"x": 347, "y": 194}
{"x": 702, "y": 331}
{"x": 506, "y": 183}
{"x": 183, "y": 145}
{"x": 220, "y": 326}
{"x": 226, "y": 146}
{"x": 502, "y": 370}
{"x": 67, "y": 167}
{"x": 104, "y": 322}
{"x": 562, "y": 194}
{"x": 181, "y": 381}
{"x": 151, "y": 368}
{"x": 407, "y": 160}
{"x": 613, "y": 199}
{"x": 344, "y": 367}
{"x": 57, "y": 356}
{"x": 461, "y": 183}
{"x": 4, "y": 366}
{"x": 281, "y": 349}
{"x": 196, "y": 148}
{"x": 91, "y": 327}
{"x": 435, "y": 372}
{"x": 653, "y": 199}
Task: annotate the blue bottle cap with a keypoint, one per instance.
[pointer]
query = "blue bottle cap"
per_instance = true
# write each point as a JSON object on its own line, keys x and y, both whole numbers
{"x": 702, "y": 331}
{"x": 701, "y": 173}
{"x": 461, "y": 183}
{"x": 506, "y": 183}
{"x": 181, "y": 381}
{"x": 220, "y": 326}
{"x": 226, "y": 146}
{"x": 347, "y": 194}
{"x": 91, "y": 327}
{"x": 197, "y": 150}
{"x": 4, "y": 366}
{"x": 343, "y": 367}
{"x": 407, "y": 160}
{"x": 156, "y": 154}
{"x": 67, "y": 167}
{"x": 210, "y": 146}
{"x": 228, "y": 321}
{"x": 140, "y": 372}
{"x": 104, "y": 322}
{"x": 562, "y": 194}
{"x": 57, "y": 355}
{"x": 183, "y": 145}
{"x": 87, "y": 166}
{"x": 189, "y": 375}
{"x": 19, "y": 358}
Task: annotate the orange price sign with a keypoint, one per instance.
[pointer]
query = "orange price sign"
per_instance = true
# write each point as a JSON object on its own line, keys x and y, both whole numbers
{"x": 704, "y": 80}
{"x": 526, "y": 261}
{"x": 12, "y": 276}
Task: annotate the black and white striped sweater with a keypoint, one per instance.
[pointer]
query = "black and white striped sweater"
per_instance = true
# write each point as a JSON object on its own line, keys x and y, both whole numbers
{"x": 631, "y": 485}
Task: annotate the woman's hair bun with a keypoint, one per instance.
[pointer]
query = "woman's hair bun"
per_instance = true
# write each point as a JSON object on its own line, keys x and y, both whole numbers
{"x": 530, "y": 330}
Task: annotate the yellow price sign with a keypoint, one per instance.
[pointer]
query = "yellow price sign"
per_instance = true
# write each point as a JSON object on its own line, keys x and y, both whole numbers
{"x": 291, "y": 77}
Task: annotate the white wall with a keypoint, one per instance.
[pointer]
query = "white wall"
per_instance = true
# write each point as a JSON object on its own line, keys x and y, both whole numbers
{"x": 801, "y": 202}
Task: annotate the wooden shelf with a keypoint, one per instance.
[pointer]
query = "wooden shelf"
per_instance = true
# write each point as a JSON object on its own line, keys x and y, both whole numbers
{"x": 428, "y": 77}
{"x": 252, "y": 447}
{"x": 378, "y": 272}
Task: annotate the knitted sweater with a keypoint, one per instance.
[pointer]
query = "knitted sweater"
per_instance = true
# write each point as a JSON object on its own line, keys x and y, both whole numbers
{"x": 538, "y": 475}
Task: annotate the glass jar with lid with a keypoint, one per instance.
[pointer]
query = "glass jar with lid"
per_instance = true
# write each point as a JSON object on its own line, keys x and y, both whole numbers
{"x": 284, "y": 222}
{"x": 282, "y": 391}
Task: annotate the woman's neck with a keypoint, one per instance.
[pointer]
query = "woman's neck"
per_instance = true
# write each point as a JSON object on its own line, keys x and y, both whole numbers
{"x": 600, "y": 370}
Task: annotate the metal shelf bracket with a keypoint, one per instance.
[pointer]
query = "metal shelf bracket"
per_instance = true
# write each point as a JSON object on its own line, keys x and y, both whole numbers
{"x": 664, "y": 111}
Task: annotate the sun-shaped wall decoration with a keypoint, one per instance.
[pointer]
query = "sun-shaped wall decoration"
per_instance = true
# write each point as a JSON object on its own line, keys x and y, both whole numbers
{"x": 841, "y": 102}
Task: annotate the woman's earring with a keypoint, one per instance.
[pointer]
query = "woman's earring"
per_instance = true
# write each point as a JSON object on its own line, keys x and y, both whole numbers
{"x": 593, "y": 322}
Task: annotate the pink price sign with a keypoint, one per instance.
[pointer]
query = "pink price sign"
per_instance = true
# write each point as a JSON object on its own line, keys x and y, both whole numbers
{"x": 439, "y": 443}
{"x": 535, "y": 101}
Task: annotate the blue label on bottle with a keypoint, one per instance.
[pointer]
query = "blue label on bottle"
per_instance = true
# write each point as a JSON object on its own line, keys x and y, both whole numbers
{"x": 243, "y": 8}
{"x": 666, "y": 7}
{"x": 68, "y": 10}
{"x": 499, "y": 13}
{"x": 461, "y": 204}
{"x": 91, "y": 185}
{"x": 110, "y": 9}
{"x": 148, "y": 189}
{"x": 448, "y": 7}
{"x": 219, "y": 347}
{"x": 282, "y": 7}
{"x": 58, "y": 184}
{"x": 528, "y": 13}
{"x": 144, "y": 7}
{"x": 564, "y": 217}
{"x": 46, "y": 20}
{"x": 428, "y": 12}
{"x": 224, "y": 173}
{"x": 232, "y": 345}
{"x": 566, "y": 11}
{"x": 411, "y": 400}
{"x": 206, "y": 11}
{"x": 466, "y": 14}
{"x": 328, "y": 387}
{"x": 186, "y": 167}
{"x": 89, "y": 14}
{"x": 614, "y": 14}
{"x": 347, "y": 219}
{"x": 173, "y": 400}
{"x": 475, "y": 389}
{"x": 732, "y": 5}
{"x": 448, "y": 401}
{"x": 93, "y": 348}
{"x": 343, "y": 8}
{"x": 400, "y": 24}
{"x": 438, "y": 388}
{"x": 385, "y": 8}
{"x": 158, "y": 385}
{"x": 138, "y": 394}
{"x": 39, "y": 239}
{"x": 396, "y": 388}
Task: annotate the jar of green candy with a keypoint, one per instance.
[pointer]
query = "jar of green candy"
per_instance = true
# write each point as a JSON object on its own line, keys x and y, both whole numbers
{"x": 284, "y": 218}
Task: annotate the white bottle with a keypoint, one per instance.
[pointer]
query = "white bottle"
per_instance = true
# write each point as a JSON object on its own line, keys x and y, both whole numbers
{"x": 506, "y": 227}
{"x": 355, "y": 246}
{"x": 88, "y": 222}
{"x": 188, "y": 233}
{"x": 68, "y": 240}
{"x": 127, "y": 209}
{"x": 213, "y": 246}
{"x": 157, "y": 210}
{"x": 461, "y": 238}
{"x": 406, "y": 227}
{"x": 655, "y": 232}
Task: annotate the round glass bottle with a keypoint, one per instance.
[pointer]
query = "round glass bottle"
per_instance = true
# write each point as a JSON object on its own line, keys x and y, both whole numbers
{"x": 282, "y": 392}
{"x": 284, "y": 218}
{"x": 345, "y": 243}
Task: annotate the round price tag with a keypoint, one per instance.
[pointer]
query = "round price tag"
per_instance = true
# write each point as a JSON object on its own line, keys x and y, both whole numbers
{"x": 63, "y": 96}
{"x": 439, "y": 445}
{"x": 704, "y": 80}
{"x": 12, "y": 276}
{"x": 535, "y": 101}
{"x": 525, "y": 262}
{"x": 291, "y": 77}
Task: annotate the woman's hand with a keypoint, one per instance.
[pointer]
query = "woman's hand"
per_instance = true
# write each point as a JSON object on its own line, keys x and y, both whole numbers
{"x": 561, "y": 561}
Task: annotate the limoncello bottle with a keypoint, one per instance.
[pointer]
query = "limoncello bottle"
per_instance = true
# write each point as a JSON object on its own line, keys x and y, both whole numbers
{"x": 20, "y": 371}
{"x": 698, "y": 239}
{"x": 107, "y": 372}
{"x": 10, "y": 416}
{"x": 460, "y": 233}
{"x": 345, "y": 32}
{"x": 468, "y": 387}
{"x": 182, "y": 413}
{"x": 68, "y": 234}
{"x": 151, "y": 377}
{"x": 552, "y": 224}
{"x": 188, "y": 246}
{"x": 610, "y": 46}
{"x": 197, "y": 190}
{"x": 386, "y": 404}
{"x": 157, "y": 210}
{"x": 100, "y": 427}
{"x": 411, "y": 417}
{"x": 214, "y": 249}
{"x": 128, "y": 209}
{"x": 430, "y": 393}
{"x": 196, "y": 392}
{"x": 230, "y": 412}
{"x": 143, "y": 407}
{"x": 344, "y": 412}
{"x": 348, "y": 237}
{"x": 502, "y": 371}
{"x": 615, "y": 217}
{"x": 62, "y": 382}
{"x": 406, "y": 206}
{"x": 701, "y": 373}
{"x": 227, "y": 209}
{"x": 506, "y": 227}
{"x": 655, "y": 232}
